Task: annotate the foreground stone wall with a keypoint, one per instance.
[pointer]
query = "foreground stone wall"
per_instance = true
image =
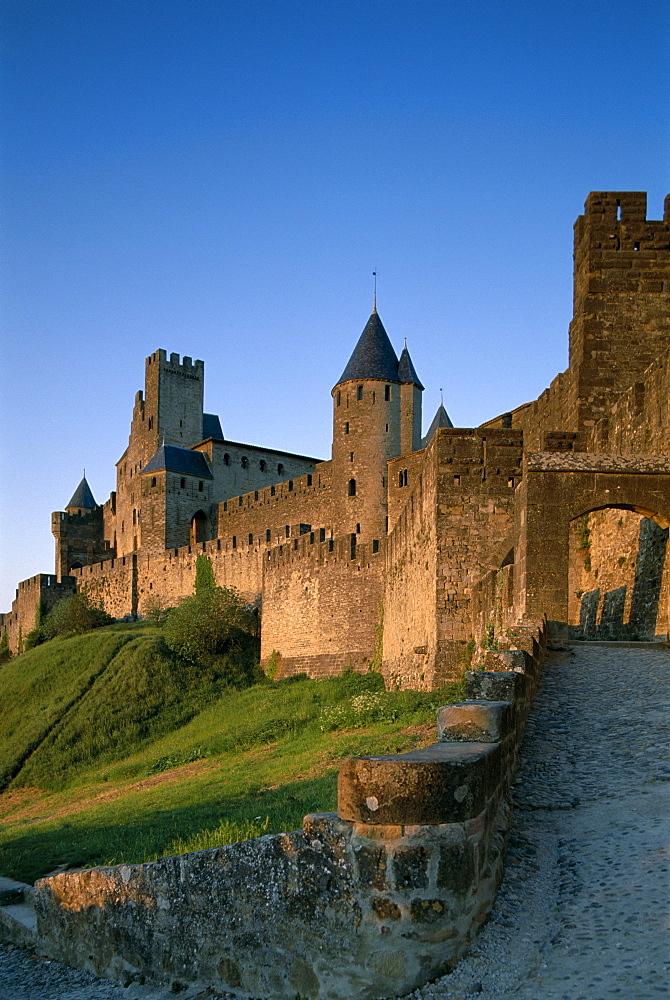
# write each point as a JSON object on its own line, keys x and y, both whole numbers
{"x": 370, "y": 903}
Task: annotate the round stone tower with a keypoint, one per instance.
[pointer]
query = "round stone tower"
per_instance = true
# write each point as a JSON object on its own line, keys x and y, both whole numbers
{"x": 376, "y": 417}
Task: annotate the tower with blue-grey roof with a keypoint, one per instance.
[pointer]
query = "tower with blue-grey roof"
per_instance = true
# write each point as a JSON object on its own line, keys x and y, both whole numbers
{"x": 376, "y": 417}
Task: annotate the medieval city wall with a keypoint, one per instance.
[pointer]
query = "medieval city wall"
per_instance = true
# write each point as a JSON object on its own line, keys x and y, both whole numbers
{"x": 306, "y": 500}
{"x": 322, "y": 605}
{"x": 42, "y": 592}
{"x": 410, "y": 631}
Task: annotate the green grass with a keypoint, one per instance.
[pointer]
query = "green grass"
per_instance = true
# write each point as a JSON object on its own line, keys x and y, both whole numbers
{"x": 114, "y": 751}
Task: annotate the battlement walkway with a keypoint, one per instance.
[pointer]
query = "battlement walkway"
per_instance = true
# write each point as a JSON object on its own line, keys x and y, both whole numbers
{"x": 583, "y": 906}
{"x": 582, "y": 912}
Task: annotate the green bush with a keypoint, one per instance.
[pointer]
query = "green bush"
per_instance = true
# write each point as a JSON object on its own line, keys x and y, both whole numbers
{"x": 209, "y": 623}
{"x": 72, "y": 616}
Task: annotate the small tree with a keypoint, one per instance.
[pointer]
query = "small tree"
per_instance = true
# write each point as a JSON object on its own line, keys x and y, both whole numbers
{"x": 204, "y": 575}
{"x": 73, "y": 616}
{"x": 206, "y": 624}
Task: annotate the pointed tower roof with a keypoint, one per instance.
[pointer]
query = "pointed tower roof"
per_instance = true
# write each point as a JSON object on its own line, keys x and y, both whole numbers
{"x": 441, "y": 419}
{"x": 373, "y": 355}
{"x": 406, "y": 370}
{"x": 82, "y": 497}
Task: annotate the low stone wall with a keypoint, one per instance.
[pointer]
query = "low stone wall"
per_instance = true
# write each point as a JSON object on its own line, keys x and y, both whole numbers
{"x": 371, "y": 902}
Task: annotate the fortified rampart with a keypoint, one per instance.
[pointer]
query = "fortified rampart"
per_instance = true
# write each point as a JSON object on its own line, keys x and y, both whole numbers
{"x": 371, "y": 902}
{"x": 393, "y": 542}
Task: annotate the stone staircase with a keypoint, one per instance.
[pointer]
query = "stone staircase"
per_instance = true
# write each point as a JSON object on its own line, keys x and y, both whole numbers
{"x": 18, "y": 921}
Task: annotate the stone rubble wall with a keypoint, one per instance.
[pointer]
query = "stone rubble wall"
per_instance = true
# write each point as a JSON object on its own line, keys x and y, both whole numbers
{"x": 368, "y": 903}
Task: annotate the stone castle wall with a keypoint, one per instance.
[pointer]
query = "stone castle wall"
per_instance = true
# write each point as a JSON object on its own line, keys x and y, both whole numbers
{"x": 42, "y": 592}
{"x": 322, "y": 605}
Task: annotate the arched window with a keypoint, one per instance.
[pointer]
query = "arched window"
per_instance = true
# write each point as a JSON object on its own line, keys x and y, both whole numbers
{"x": 352, "y": 487}
{"x": 280, "y": 469}
{"x": 245, "y": 462}
{"x": 199, "y": 528}
{"x": 263, "y": 465}
{"x": 226, "y": 459}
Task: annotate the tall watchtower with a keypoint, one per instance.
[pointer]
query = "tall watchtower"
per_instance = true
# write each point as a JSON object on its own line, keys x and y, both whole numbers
{"x": 376, "y": 417}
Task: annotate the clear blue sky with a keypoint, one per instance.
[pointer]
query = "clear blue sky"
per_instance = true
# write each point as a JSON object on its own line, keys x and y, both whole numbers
{"x": 221, "y": 178}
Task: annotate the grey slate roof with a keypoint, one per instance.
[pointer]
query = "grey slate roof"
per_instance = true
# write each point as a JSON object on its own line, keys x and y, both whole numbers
{"x": 373, "y": 355}
{"x": 211, "y": 427}
{"x": 82, "y": 496}
{"x": 441, "y": 419}
{"x": 173, "y": 459}
{"x": 406, "y": 370}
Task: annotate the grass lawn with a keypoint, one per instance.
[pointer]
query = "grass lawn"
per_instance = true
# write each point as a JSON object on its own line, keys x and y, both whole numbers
{"x": 112, "y": 750}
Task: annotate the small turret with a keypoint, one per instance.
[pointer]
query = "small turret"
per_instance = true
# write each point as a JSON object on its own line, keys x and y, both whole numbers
{"x": 82, "y": 499}
{"x": 410, "y": 404}
{"x": 441, "y": 419}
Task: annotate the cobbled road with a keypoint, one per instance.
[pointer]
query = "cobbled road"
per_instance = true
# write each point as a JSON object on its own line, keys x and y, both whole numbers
{"x": 582, "y": 911}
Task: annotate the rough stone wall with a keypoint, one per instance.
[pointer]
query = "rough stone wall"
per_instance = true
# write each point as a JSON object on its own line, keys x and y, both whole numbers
{"x": 169, "y": 502}
{"x": 478, "y": 474}
{"x": 410, "y": 624}
{"x": 111, "y": 584}
{"x": 366, "y": 435}
{"x": 43, "y": 590}
{"x": 306, "y": 500}
{"x": 79, "y": 539}
{"x": 618, "y": 578}
{"x": 321, "y": 605}
{"x": 240, "y": 468}
{"x": 639, "y": 420}
{"x": 371, "y": 903}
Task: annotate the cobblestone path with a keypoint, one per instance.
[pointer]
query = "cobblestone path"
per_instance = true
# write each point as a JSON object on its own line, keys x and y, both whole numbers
{"x": 582, "y": 911}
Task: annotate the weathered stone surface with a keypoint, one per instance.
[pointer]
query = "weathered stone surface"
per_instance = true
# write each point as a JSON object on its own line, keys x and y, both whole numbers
{"x": 475, "y": 721}
{"x": 443, "y": 783}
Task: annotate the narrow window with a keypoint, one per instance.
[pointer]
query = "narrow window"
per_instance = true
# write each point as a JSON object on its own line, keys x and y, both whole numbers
{"x": 295, "y": 543}
{"x": 387, "y": 428}
{"x": 123, "y": 527}
{"x": 457, "y": 481}
{"x": 311, "y": 538}
{"x": 290, "y": 484}
{"x": 387, "y": 394}
{"x": 272, "y": 491}
{"x": 234, "y": 541}
{"x": 280, "y": 469}
{"x": 134, "y": 516}
{"x": 245, "y": 462}
{"x": 352, "y": 487}
{"x": 636, "y": 245}
{"x": 331, "y": 544}
{"x": 225, "y": 505}
{"x": 201, "y": 486}
{"x": 386, "y": 523}
{"x": 287, "y": 530}
{"x": 322, "y": 534}
{"x": 400, "y": 483}
{"x": 268, "y": 535}
{"x": 375, "y": 545}
{"x": 353, "y": 546}
{"x": 182, "y": 483}
{"x": 309, "y": 478}
{"x": 618, "y": 210}
{"x": 358, "y": 529}
{"x": 255, "y": 494}
{"x": 359, "y": 392}
{"x": 153, "y": 480}
{"x": 226, "y": 459}
{"x": 351, "y": 456}
{"x": 374, "y": 396}
{"x": 251, "y": 538}
{"x": 263, "y": 465}
{"x": 339, "y": 397}
{"x": 346, "y": 427}
{"x": 240, "y": 501}
{"x": 510, "y": 482}
{"x": 181, "y": 423}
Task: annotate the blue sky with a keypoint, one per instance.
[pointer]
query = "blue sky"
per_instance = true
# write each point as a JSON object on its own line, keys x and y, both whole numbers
{"x": 221, "y": 179}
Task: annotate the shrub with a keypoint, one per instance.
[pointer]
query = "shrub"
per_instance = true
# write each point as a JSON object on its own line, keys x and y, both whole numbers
{"x": 208, "y": 623}
{"x": 71, "y": 616}
{"x": 204, "y": 575}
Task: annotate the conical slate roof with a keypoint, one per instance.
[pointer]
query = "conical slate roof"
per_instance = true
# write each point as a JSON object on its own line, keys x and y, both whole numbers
{"x": 406, "y": 370}
{"x": 82, "y": 497}
{"x": 373, "y": 355}
{"x": 175, "y": 459}
{"x": 441, "y": 419}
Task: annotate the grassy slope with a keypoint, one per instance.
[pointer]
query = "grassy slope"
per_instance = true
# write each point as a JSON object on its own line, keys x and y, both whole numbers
{"x": 136, "y": 754}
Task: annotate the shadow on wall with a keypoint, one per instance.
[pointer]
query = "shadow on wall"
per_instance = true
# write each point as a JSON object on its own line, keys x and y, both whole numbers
{"x": 602, "y": 614}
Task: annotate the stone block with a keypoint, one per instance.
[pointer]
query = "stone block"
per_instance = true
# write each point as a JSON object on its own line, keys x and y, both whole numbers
{"x": 507, "y": 659}
{"x": 475, "y": 721}
{"x": 486, "y": 685}
{"x": 442, "y": 783}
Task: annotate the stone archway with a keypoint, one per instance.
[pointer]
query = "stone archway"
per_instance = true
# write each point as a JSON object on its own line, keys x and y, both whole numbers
{"x": 199, "y": 531}
{"x": 558, "y": 488}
